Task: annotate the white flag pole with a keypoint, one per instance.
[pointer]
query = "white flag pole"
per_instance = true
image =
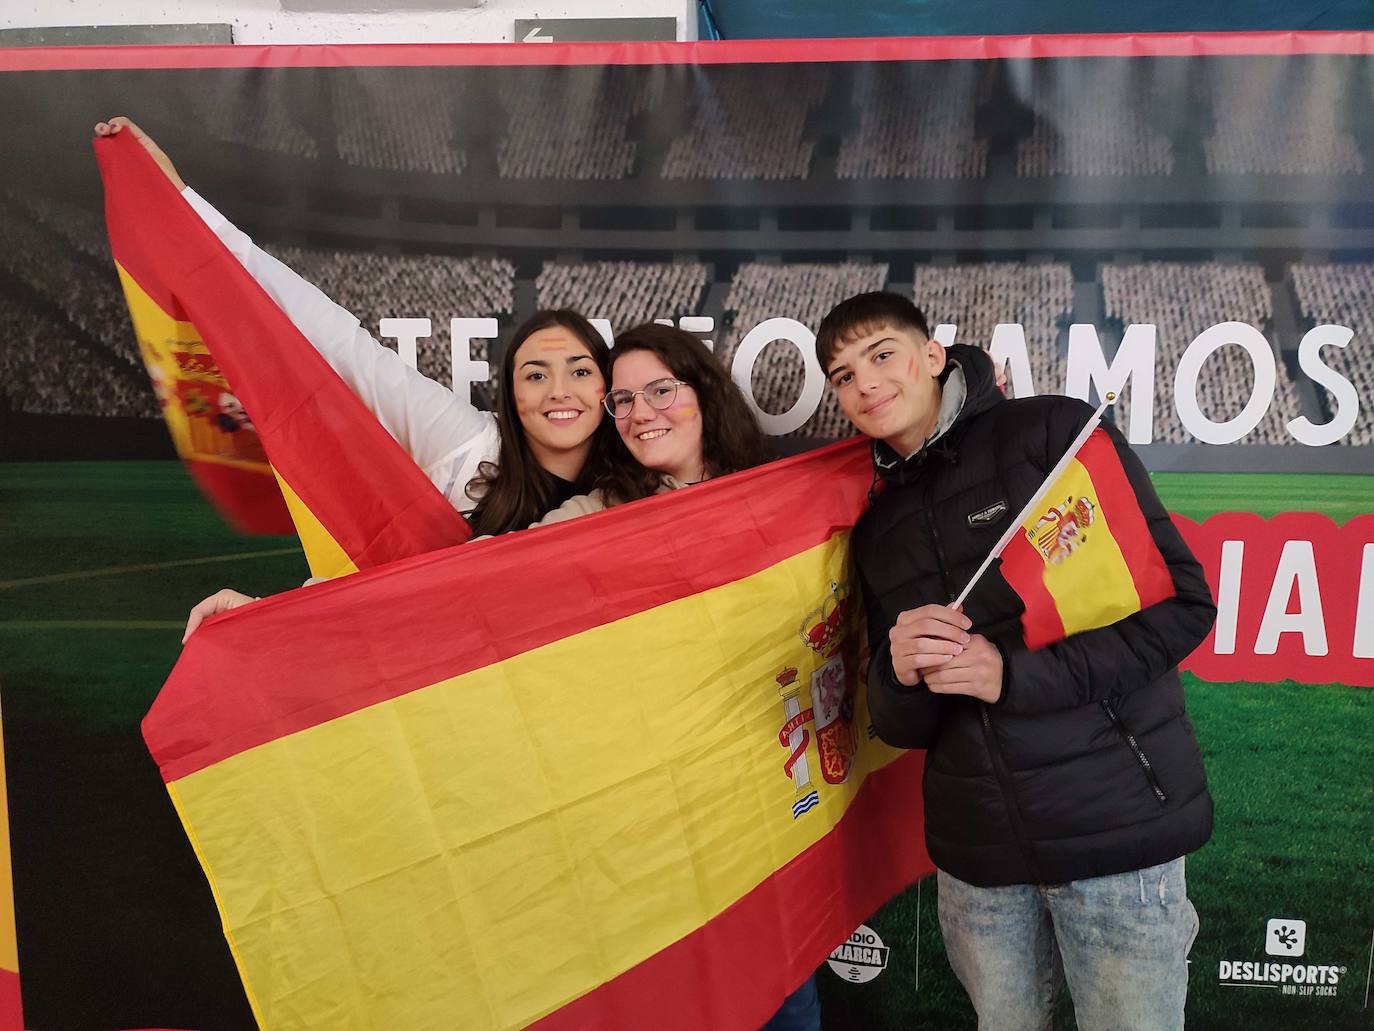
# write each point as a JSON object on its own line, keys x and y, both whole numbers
{"x": 1039, "y": 495}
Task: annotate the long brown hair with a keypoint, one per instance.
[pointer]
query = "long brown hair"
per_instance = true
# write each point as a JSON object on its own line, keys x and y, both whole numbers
{"x": 516, "y": 490}
{"x": 730, "y": 436}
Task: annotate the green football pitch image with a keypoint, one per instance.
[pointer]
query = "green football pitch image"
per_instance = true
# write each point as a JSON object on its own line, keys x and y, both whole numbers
{"x": 101, "y": 562}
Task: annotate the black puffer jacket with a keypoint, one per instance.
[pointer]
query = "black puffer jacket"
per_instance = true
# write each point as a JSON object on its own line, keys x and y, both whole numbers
{"x": 1087, "y": 765}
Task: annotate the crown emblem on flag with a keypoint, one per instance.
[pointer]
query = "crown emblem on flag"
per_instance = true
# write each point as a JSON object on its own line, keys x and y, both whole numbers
{"x": 825, "y": 626}
{"x": 1062, "y": 529}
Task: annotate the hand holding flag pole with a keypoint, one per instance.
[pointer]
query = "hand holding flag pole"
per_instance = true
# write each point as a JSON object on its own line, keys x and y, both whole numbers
{"x": 1015, "y": 525}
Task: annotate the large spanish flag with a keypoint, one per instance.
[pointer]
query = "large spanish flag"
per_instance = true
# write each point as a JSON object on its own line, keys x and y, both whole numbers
{"x": 241, "y": 387}
{"x": 1084, "y": 557}
{"x": 615, "y": 772}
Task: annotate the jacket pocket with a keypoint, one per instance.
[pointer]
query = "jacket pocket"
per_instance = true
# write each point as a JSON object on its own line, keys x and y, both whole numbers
{"x": 1146, "y": 766}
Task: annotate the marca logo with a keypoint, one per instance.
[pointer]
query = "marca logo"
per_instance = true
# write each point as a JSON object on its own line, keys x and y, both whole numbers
{"x": 861, "y": 958}
{"x": 1285, "y": 937}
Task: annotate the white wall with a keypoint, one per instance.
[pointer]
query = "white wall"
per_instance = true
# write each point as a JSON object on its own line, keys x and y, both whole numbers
{"x": 264, "y": 21}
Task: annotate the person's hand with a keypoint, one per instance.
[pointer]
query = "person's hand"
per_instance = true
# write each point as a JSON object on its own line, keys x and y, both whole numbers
{"x": 976, "y": 671}
{"x": 925, "y": 638}
{"x": 119, "y": 124}
{"x": 220, "y": 601}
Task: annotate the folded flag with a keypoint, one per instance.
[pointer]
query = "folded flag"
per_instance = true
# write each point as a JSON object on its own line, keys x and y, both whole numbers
{"x": 1081, "y": 555}
{"x": 242, "y": 387}
{"x": 210, "y": 429}
{"x": 614, "y": 772}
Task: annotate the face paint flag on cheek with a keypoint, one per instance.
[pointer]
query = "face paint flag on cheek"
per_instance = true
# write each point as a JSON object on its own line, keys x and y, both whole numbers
{"x": 527, "y": 783}
{"x": 208, "y": 331}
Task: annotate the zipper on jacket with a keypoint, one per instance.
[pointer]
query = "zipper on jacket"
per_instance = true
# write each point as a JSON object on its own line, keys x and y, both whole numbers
{"x": 1140, "y": 755}
{"x": 999, "y": 767}
{"x": 1008, "y": 799}
{"x": 939, "y": 545}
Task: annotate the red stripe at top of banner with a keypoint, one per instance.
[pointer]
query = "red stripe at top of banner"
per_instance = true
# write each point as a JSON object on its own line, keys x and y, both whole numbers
{"x": 319, "y": 437}
{"x": 749, "y": 51}
{"x": 254, "y": 675}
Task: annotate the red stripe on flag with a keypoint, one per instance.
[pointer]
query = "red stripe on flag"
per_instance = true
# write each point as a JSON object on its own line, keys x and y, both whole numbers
{"x": 1153, "y": 583}
{"x": 250, "y": 500}
{"x": 11, "y": 1004}
{"x": 1024, "y": 570}
{"x": 318, "y": 435}
{"x": 253, "y": 675}
{"x": 874, "y": 851}
{"x": 746, "y": 51}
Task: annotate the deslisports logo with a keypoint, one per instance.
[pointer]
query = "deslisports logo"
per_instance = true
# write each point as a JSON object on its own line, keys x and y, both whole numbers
{"x": 1284, "y": 937}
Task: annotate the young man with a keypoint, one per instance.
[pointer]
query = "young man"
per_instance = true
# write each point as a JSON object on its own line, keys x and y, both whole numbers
{"x": 1063, "y": 785}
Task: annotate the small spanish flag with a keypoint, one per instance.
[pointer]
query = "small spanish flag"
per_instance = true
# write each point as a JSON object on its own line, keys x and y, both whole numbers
{"x": 241, "y": 387}
{"x": 612, "y": 773}
{"x": 1083, "y": 556}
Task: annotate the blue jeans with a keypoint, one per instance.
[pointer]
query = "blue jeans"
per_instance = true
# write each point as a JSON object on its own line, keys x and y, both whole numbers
{"x": 800, "y": 1011}
{"x": 1120, "y": 942}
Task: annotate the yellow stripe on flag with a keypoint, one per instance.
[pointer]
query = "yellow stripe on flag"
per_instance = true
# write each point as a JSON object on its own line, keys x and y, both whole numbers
{"x": 485, "y": 790}
{"x": 157, "y": 332}
{"x": 9, "y": 945}
{"x": 326, "y": 557}
{"x": 1093, "y": 586}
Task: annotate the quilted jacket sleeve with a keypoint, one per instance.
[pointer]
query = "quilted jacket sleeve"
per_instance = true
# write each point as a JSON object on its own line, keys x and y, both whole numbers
{"x": 1134, "y": 652}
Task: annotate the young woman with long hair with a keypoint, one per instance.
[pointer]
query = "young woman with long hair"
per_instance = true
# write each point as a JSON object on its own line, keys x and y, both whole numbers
{"x": 553, "y": 440}
{"x": 553, "y": 379}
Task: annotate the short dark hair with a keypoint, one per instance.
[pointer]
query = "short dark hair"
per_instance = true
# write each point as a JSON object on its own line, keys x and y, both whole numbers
{"x": 865, "y": 313}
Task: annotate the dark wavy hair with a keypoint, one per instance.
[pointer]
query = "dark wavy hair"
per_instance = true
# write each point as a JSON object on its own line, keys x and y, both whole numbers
{"x": 865, "y": 313}
{"x": 730, "y": 436}
{"x": 516, "y": 490}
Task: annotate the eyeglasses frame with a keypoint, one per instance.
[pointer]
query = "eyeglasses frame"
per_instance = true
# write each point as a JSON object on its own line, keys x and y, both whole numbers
{"x": 643, "y": 392}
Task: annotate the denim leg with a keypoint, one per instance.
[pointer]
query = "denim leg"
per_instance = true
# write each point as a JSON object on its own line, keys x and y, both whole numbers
{"x": 1124, "y": 940}
{"x": 800, "y": 1011}
{"x": 1001, "y": 946}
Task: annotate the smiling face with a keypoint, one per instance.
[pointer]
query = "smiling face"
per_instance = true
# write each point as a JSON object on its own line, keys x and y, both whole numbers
{"x": 886, "y": 382}
{"x": 557, "y": 390}
{"x": 667, "y": 440}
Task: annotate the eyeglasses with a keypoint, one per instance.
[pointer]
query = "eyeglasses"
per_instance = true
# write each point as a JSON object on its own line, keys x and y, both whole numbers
{"x": 659, "y": 394}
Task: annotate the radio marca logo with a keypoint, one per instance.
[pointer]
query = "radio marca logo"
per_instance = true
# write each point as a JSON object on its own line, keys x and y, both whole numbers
{"x": 861, "y": 958}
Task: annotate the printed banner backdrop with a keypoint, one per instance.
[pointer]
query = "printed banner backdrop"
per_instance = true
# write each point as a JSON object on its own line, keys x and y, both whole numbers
{"x": 1188, "y": 220}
